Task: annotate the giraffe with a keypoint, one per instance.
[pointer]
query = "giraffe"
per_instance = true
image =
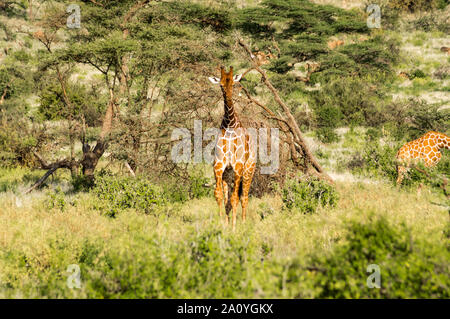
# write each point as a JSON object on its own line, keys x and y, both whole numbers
{"x": 426, "y": 149}
{"x": 235, "y": 148}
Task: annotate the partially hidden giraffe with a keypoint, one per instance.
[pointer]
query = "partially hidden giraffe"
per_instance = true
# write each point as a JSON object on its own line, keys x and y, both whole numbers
{"x": 425, "y": 149}
{"x": 235, "y": 148}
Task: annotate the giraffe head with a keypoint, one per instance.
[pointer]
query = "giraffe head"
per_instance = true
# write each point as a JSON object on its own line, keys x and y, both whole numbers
{"x": 226, "y": 80}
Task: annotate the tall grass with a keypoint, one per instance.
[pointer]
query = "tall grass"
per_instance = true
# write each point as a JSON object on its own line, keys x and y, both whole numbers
{"x": 184, "y": 251}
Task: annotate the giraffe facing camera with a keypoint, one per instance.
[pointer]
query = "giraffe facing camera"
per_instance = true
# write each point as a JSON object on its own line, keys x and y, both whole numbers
{"x": 235, "y": 148}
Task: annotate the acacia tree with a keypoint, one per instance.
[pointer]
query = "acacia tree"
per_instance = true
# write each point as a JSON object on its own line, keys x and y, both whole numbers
{"x": 137, "y": 47}
{"x": 104, "y": 53}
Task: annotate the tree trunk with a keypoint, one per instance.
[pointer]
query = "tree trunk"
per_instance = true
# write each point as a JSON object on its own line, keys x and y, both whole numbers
{"x": 2, "y": 98}
{"x": 92, "y": 156}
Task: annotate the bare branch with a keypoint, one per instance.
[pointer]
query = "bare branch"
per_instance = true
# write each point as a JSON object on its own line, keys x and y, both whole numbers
{"x": 291, "y": 122}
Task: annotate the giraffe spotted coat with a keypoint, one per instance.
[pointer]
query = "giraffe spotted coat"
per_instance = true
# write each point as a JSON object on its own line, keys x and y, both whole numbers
{"x": 425, "y": 149}
{"x": 235, "y": 147}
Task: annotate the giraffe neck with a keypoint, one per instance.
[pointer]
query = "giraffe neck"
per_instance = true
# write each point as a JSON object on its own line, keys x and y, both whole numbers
{"x": 230, "y": 119}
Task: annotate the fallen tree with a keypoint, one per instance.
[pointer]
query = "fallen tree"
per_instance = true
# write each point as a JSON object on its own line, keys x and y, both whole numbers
{"x": 301, "y": 155}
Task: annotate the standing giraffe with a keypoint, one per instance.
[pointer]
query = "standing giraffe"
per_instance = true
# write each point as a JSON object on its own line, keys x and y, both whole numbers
{"x": 425, "y": 148}
{"x": 235, "y": 148}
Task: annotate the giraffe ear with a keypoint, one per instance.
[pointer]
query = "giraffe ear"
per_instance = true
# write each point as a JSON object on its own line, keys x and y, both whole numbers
{"x": 214, "y": 80}
{"x": 237, "y": 78}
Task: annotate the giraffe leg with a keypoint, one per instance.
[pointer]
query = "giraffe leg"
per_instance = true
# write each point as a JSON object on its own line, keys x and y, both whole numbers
{"x": 225, "y": 198}
{"x": 419, "y": 189}
{"x": 235, "y": 196}
{"x": 218, "y": 193}
{"x": 401, "y": 170}
{"x": 444, "y": 187}
{"x": 422, "y": 171}
{"x": 246, "y": 183}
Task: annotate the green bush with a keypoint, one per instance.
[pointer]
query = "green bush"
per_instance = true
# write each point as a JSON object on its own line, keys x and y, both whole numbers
{"x": 417, "y": 73}
{"x": 193, "y": 187}
{"x": 282, "y": 65}
{"x": 17, "y": 145}
{"x": 348, "y": 101}
{"x": 373, "y": 134}
{"x": 423, "y": 117}
{"x": 56, "y": 200}
{"x": 8, "y": 186}
{"x": 327, "y": 135}
{"x": 117, "y": 193}
{"x": 85, "y": 103}
{"x": 81, "y": 183}
{"x": 408, "y": 268}
{"x": 210, "y": 264}
{"x": 379, "y": 160}
{"x": 442, "y": 4}
{"x": 409, "y": 119}
{"x": 307, "y": 195}
{"x": 327, "y": 116}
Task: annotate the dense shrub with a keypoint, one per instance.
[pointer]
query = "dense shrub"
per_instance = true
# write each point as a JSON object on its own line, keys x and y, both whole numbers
{"x": 417, "y": 73}
{"x": 56, "y": 200}
{"x": 408, "y": 268}
{"x": 327, "y": 135}
{"x": 89, "y": 104}
{"x": 423, "y": 117}
{"x": 81, "y": 183}
{"x": 210, "y": 264}
{"x": 192, "y": 187}
{"x": 409, "y": 119}
{"x": 117, "y": 193}
{"x": 328, "y": 115}
{"x": 14, "y": 81}
{"x": 379, "y": 160}
{"x": 17, "y": 142}
{"x": 307, "y": 195}
{"x": 348, "y": 101}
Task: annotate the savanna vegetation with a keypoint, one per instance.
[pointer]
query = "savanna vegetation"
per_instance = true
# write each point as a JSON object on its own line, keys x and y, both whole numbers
{"x": 87, "y": 176}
